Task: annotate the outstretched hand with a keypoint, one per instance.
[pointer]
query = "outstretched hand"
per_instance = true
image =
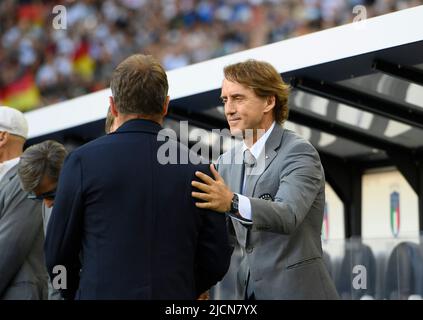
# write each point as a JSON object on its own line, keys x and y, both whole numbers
{"x": 215, "y": 194}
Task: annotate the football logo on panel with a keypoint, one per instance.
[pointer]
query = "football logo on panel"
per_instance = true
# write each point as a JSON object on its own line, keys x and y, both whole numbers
{"x": 395, "y": 213}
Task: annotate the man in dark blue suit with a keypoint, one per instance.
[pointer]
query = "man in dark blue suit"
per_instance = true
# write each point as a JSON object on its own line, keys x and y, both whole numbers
{"x": 124, "y": 225}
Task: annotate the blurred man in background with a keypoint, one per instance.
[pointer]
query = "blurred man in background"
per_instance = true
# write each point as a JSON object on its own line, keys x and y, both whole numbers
{"x": 22, "y": 267}
{"x": 39, "y": 169}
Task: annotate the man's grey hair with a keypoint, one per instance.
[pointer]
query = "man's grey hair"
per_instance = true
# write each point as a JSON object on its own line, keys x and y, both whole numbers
{"x": 41, "y": 159}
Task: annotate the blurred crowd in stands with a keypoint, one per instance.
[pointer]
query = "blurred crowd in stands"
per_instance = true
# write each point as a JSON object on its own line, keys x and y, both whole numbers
{"x": 41, "y": 65}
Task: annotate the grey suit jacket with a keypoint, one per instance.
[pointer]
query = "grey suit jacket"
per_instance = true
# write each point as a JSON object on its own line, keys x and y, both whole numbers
{"x": 23, "y": 274}
{"x": 282, "y": 249}
{"x": 53, "y": 294}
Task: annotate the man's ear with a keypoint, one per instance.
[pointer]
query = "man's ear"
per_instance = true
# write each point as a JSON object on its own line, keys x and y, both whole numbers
{"x": 270, "y": 103}
{"x": 166, "y": 106}
{"x": 113, "y": 108}
{"x": 4, "y": 137}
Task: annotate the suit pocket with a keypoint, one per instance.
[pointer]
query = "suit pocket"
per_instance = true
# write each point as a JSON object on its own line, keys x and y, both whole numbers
{"x": 302, "y": 263}
{"x": 303, "y": 280}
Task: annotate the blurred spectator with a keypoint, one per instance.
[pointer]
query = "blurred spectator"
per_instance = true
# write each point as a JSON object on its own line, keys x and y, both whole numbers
{"x": 23, "y": 275}
{"x": 100, "y": 34}
{"x": 39, "y": 169}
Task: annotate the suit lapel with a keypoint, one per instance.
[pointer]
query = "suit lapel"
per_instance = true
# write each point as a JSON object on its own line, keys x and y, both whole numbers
{"x": 8, "y": 176}
{"x": 3, "y": 183}
{"x": 266, "y": 157}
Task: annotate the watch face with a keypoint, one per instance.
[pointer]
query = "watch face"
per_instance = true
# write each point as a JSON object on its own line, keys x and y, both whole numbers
{"x": 266, "y": 196}
{"x": 234, "y": 204}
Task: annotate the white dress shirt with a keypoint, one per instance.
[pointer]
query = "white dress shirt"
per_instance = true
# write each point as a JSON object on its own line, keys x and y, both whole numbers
{"x": 7, "y": 165}
{"x": 244, "y": 204}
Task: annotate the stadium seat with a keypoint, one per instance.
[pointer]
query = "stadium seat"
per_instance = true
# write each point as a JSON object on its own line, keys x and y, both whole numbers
{"x": 404, "y": 273}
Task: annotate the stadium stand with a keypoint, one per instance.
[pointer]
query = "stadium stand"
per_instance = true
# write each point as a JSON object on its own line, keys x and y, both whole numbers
{"x": 42, "y": 65}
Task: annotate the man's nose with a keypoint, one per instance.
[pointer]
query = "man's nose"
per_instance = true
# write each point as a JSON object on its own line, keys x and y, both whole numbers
{"x": 229, "y": 108}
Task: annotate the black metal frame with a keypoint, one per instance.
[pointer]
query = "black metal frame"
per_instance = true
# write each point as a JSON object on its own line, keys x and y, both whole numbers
{"x": 343, "y": 131}
{"x": 344, "y": 176}
{"x": 402, "y": 112}
{"x": 407, "y": 73}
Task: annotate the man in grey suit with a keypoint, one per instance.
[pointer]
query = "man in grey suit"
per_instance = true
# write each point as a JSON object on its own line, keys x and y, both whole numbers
{"x": 272, "y": 187}
{"x": 23, "y": 274}
{"x": 39, "y": 169}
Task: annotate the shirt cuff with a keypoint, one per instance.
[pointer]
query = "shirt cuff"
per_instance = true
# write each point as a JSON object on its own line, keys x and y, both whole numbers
{"x": 244, "y": 206}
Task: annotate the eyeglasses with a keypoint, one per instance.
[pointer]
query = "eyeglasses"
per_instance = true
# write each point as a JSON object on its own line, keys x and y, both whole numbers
{"x": 50, "y": 195}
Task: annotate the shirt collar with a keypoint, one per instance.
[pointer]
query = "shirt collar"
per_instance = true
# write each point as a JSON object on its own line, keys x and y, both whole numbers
{"x": 7, "y": 165}
{"x": 11, "y": 162}
{"x": 258, "y": 146}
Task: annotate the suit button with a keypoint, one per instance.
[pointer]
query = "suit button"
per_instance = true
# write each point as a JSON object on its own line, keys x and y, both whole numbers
{"x": 249, "y": 249}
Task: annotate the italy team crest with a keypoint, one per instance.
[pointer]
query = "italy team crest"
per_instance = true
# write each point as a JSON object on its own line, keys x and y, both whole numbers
{"x": 395, "y": 213}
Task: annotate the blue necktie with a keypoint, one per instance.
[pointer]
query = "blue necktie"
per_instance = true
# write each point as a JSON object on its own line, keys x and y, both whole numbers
{"x": 249, "y": 163}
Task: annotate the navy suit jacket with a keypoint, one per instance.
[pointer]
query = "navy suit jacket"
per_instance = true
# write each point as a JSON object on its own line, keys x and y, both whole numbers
{"x": 126, "y": 227}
